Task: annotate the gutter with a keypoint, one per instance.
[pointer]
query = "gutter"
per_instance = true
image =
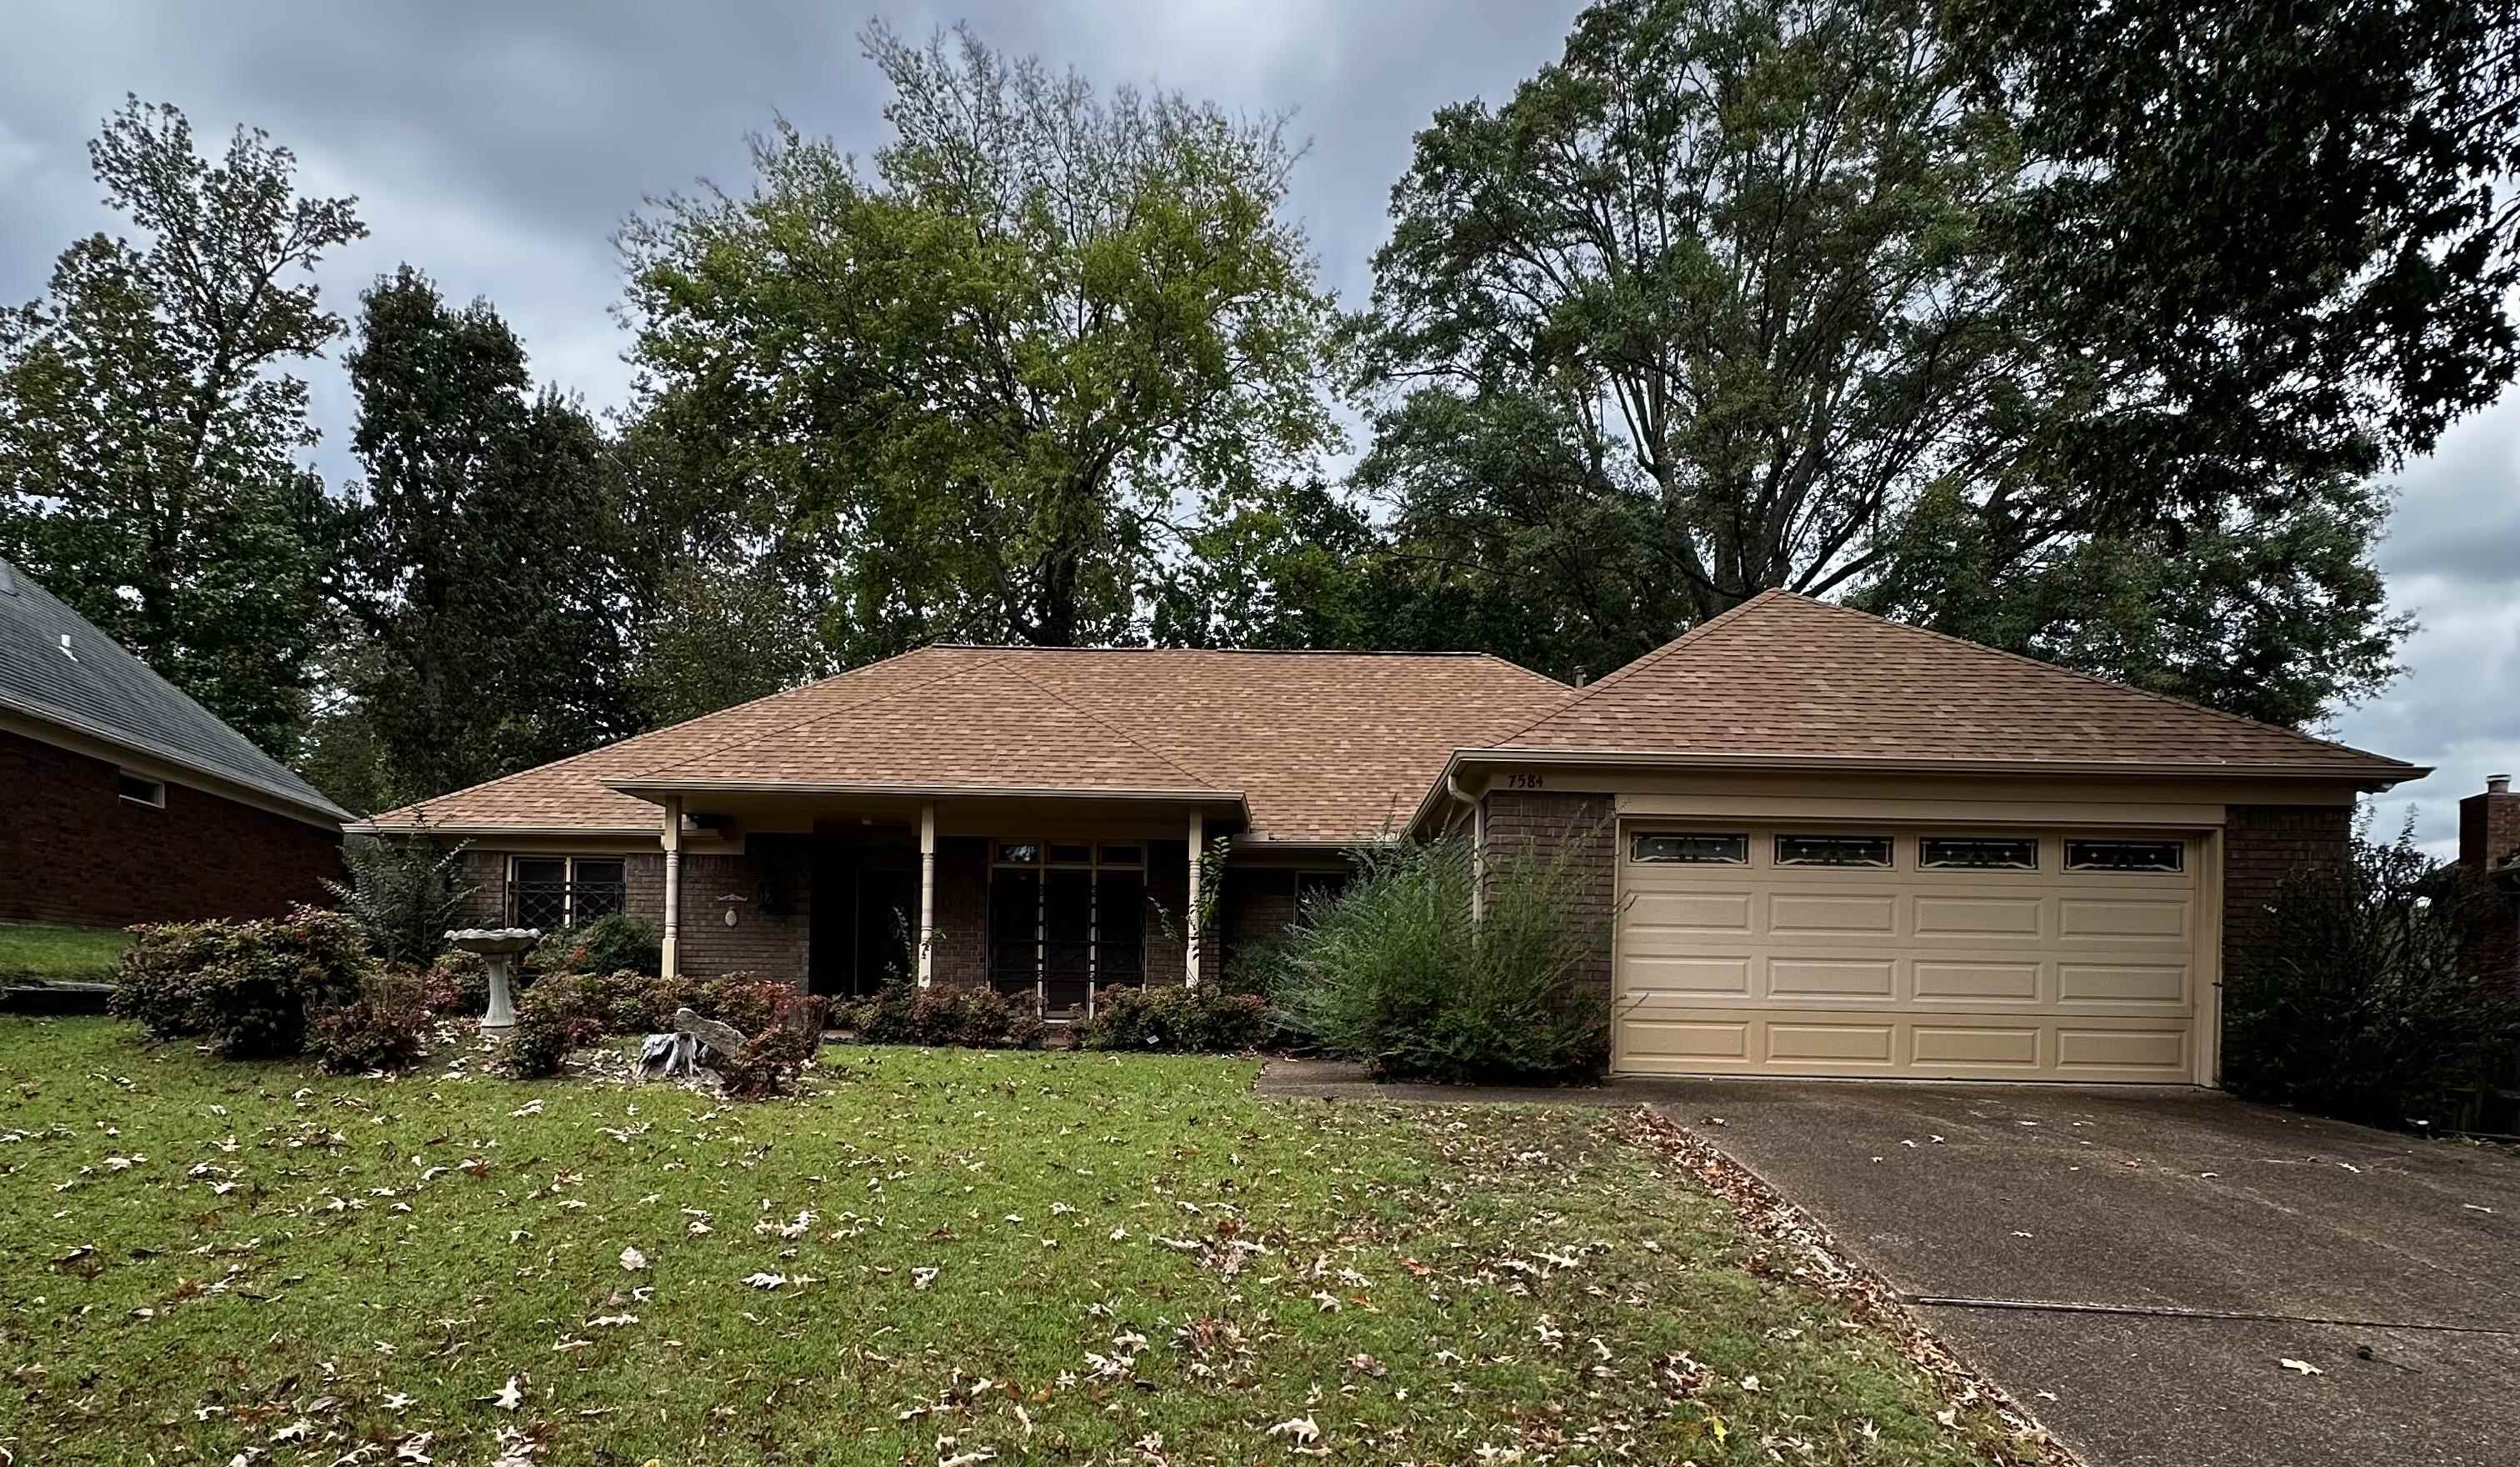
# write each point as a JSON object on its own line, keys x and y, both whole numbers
{"x": 2373, "y": 779}
{"x": 639, "y": 787}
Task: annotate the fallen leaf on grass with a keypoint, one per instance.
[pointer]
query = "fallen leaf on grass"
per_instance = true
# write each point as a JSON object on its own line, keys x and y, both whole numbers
{"x": 631, "y": 1259}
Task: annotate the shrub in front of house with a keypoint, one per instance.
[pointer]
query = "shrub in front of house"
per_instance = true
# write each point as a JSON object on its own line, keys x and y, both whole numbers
{"x": 560, "y": 1015}
{"x": 1391, "y": 971}
{"x": 457, "y": 985}
{"x": 974, "y": 1017}
{"x": 385, "y": 1028}
{"x": 1184, "y": 1020}
{"x": 250, "y": 988}
{"x": 2384, "y": 993}
{"x": 617, "y": 942}
{"x": 403, "y": 892}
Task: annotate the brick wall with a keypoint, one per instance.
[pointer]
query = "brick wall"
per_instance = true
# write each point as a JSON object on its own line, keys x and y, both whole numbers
{"x": 2262, "y": 845}
{"x": 1581, "y": 827}
{"x": 1168, "y": 893}
{"x": 960, "y": 955}
{"x": 73, "y": 850}
{"x": 774, "y": 947}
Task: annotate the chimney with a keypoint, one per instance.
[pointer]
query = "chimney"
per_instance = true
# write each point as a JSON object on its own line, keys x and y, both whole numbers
{"x": 2489, "y": 825}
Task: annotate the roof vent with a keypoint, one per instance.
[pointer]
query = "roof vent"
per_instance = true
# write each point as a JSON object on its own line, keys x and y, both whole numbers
{"x": 65, "y": 648}
{"x": 2498, "y": 784}
{"x": 8, "y": 580}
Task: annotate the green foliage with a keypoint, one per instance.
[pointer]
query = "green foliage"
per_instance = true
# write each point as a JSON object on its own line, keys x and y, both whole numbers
{"x": 1743, "y": 293}
{"x": 1391, "y": 972}
{"x": 150, "y": 429}
{"x": 480, "y": 575}
{"x": 382, "y": 1029}
{"x": 250, "y": 988}
{"x": 975, "y": 389}
{"x": 1185, "y": 1020}
{"x": 2384, "y": 995}
{"x": 405, "y": 893}
{"x": 560, "y": 1014}
{"x": 975, "y": 1018}
{"x": 610, "y": 943}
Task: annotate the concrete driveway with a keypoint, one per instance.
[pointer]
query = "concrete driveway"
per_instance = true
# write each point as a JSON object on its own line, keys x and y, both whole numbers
{"x": 2133, "y": 1264}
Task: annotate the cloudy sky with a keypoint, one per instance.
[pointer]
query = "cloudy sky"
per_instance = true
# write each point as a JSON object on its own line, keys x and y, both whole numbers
{"x": 498, "y": 144}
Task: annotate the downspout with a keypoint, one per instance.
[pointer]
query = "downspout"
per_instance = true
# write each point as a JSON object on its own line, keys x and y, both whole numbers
{"x": 1478, "y": 843}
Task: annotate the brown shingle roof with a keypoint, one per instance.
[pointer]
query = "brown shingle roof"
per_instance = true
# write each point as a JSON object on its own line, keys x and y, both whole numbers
{"x": 1786, "y": 677}
{"x": 1322, "y": 747}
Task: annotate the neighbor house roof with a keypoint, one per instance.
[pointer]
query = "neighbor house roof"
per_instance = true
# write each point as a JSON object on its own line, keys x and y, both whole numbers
{"x": 1785, "y": 679}
{"x": 58, "y": 671}
{"x": 1320, "y": 747}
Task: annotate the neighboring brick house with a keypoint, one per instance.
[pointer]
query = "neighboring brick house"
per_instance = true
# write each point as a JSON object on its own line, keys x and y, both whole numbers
{"x": 1802, "y": 840}
{"x": 127, "y": 802}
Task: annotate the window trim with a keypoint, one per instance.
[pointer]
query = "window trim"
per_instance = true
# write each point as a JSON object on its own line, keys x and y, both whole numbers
{"x": 124, "y": 779}
{"x": 1889, "y": 851}
{"x": 1927, "y": 863}
{"x": 568, "y": 880}
{"x": 1638, "y": 837}
{"x": 2175, "y": 845}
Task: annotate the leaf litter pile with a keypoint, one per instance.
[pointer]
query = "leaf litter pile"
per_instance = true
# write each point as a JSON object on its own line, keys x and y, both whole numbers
{"x": 944, "y": 1258}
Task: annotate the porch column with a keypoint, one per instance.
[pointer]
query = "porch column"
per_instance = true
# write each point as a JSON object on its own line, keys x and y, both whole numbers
{"x": 1190, "y": 942}
{"x": 926, "y": 893}
{"x": 669, "y": 959}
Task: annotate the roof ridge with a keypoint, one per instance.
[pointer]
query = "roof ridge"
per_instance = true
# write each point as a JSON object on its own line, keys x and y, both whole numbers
{"x": 617, "y": 745}
{"x": 786, "y": 729}
{"x": 1621, "y": 674}
{"x": 2259, "y": 725}
{"x": 1053, "y": 695}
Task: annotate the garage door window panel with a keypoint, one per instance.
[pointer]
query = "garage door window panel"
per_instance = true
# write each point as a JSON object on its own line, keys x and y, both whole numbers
{"x": 1978, "y": 854}
{"x": 1689, "y": 849}
{"x": 1869, "y": 853}
{"x": 2124, "y": 857}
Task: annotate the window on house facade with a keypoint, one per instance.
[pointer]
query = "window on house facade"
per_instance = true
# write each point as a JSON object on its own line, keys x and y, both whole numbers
{"x": 563, "y": 891}
{"x": 139, "y": 790}
{"x": 2124, "y": 855}
{"x": 1978, "y": 853}
{"x": 1690, "y": 849}
{"x": 1833, "y": 850}
{"x": 1064, "y": 920}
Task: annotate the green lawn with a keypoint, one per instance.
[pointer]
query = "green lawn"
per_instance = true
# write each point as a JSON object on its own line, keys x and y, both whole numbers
{"x": 1059, "y": 1258}
{"x": 60, "y": 954}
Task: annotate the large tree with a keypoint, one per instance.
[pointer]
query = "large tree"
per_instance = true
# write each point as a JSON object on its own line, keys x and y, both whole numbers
{"x": 150, "y": 428}
{"x": 1743, "y": 293}
{"x": 481, "y": 582}
{"x": 990, "y": 386}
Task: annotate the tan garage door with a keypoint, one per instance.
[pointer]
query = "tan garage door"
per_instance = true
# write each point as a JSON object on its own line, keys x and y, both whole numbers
{"x": 1850, "y": 950}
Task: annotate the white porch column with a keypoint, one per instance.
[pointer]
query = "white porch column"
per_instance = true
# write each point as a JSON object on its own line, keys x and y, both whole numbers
{"x": 670, "y": 961}
{"x": 1189, "y": 927}
{"x": 926, "y": 893}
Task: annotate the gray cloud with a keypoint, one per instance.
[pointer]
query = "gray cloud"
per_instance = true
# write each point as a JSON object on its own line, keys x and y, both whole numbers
{"x": 498, "y": 144}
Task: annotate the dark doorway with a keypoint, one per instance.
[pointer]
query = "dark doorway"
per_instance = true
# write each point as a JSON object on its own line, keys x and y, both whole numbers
{"x": 865, "y": 915}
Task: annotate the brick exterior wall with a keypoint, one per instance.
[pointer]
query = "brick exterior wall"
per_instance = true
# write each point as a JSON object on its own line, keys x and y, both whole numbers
{"x": 960, "y": 955}
{"x": 73, "y": 850}
{"x": 2262, "y": 845}
{"x": 1583, "y": 829}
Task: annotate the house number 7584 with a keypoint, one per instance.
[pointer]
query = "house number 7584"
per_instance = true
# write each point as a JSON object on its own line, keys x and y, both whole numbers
{"x": 1523, "y": 782}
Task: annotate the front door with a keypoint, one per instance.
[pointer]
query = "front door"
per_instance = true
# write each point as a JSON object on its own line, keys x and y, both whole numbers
{"x": 865, "y": 907}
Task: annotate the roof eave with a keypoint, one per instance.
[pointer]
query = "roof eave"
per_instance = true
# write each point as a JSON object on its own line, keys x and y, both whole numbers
{"x": 647, "y": 789}
{"x": 2377, "y": 776}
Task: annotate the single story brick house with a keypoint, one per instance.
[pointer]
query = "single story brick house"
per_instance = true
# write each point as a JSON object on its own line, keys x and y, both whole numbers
{"x": 127, "y": 802}
{"x": 1819, "y": 842}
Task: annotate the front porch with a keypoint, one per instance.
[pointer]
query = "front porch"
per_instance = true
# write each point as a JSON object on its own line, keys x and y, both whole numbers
{"x": 1044, "y": 899}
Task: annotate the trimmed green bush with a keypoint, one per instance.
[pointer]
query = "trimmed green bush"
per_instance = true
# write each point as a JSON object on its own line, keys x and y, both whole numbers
{"x": 613, "y": 943}
{"x": 2384, "y": 993}
{"x": 563, "y": 1013}
{"x": 1184, "y": 1020}
{"x": 250, "y": 988}
{"x": 382, "y": 1029}
{"x": 1392, "y": 972}
{"x": 975, "y": 1018}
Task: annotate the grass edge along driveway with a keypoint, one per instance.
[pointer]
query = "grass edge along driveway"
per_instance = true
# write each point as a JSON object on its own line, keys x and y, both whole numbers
{"x": 939, "y": 1257}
